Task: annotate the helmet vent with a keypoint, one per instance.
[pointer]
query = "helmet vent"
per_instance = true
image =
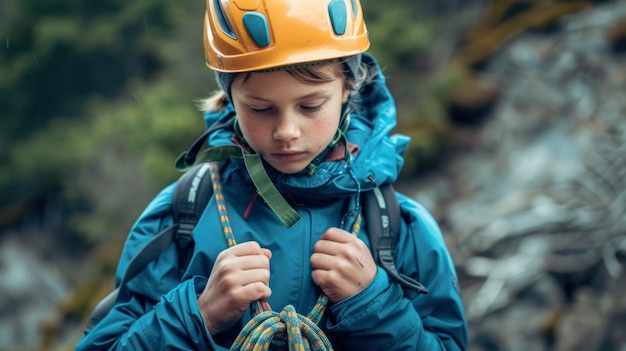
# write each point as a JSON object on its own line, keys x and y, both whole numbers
{"x": 256, "y": 25}
{"x": 338, "y": 16}
{"x": 355, "y": 9}
{"x": 223, "y": 21}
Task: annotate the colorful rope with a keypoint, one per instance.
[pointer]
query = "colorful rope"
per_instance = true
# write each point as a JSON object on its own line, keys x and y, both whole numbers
{"x": 302, "y": 333}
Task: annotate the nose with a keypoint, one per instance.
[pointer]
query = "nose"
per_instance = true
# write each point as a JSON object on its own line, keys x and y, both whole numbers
{"x": 286, "y": 129}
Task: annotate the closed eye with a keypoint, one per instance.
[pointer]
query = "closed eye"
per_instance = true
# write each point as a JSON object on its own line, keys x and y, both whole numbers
{"x": 314, "y": 108}
{"x": 261, "y": 111}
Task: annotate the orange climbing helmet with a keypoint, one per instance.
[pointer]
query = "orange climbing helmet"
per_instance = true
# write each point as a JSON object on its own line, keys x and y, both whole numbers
{"x": 250, "y": 35}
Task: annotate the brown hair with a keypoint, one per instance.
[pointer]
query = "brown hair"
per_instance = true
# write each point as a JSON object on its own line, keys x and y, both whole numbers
{"x": 310, "y": 74}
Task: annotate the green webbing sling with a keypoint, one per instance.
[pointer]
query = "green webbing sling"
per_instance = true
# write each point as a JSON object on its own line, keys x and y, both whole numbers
{"x": 266, "y": 189}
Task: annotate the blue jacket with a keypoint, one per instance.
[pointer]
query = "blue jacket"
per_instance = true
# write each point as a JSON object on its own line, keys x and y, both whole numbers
{"x": 158, "y": 311}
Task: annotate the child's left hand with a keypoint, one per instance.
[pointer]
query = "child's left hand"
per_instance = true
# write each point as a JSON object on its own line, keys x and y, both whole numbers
{"x": 342, "y": 264}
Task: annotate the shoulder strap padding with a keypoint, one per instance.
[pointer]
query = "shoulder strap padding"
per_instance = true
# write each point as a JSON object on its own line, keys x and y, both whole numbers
{"x": 383, "y": 218}
{"x": 192, "y": 193}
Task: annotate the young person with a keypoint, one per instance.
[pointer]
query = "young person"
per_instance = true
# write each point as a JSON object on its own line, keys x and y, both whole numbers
{"x": 299, "y": 96}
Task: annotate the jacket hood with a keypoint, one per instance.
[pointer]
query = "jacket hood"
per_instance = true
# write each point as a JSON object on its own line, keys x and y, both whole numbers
{"x": 378, "y": 161}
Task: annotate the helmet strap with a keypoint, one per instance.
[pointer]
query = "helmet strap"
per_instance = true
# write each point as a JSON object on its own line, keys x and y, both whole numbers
{"x": 344, "y": 123}
{"x": 340, "y": 135}
{"x": 238, "y": 133}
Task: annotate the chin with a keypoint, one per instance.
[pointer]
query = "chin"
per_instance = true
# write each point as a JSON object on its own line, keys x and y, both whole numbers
{"x": 289, "y": 169}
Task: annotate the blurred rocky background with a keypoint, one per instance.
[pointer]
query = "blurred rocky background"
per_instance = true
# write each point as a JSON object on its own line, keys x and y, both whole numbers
{"x": 517, "y": 110}
{"x": 532, "y": 198}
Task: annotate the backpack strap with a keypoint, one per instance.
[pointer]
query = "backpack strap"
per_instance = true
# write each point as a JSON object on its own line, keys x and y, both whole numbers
{"x": 192, "y": 193}
{"x": 383, "y": 220}
{"x": 190, "y": 197}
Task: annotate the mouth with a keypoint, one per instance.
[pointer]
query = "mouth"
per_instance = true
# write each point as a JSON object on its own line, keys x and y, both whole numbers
{"x": 289, "y": 156}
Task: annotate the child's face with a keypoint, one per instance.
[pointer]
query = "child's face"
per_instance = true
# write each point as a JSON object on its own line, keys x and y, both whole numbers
{"x": 286, "y": 121}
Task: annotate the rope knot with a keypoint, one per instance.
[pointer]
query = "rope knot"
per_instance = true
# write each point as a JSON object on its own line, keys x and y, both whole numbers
{"x": 302, "y": 334}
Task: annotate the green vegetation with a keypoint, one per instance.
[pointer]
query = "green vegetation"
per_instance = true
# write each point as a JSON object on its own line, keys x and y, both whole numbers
{"x": 94, "y": 92}
{"x": 98, "y": 99}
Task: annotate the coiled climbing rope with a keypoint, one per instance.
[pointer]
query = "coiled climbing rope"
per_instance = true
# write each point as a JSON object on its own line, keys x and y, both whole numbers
{"x": 301, "y": 333}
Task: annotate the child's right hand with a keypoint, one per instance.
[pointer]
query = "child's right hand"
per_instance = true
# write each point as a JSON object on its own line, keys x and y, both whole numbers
{"x": 239, "y": 277}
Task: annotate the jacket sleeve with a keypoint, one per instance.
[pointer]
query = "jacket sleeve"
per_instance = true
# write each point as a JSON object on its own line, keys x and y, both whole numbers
{"x": 154, "y": 311}
{"x": 384, "y": 317}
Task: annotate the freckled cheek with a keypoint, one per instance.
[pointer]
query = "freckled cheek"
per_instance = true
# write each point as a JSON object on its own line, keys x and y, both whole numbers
{"x": 252, "y": 131}
{"x": 324, "y": 132}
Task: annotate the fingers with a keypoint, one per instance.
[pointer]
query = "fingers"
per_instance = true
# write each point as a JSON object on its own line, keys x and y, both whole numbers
{"x": 342, "y": 264}
{"x": 243, "y": 264}
{"x": 240, "y": 276}
{"x": 337, "y": 242}
{"x": 248, "y": 248}
{"x": 337, "y": 235}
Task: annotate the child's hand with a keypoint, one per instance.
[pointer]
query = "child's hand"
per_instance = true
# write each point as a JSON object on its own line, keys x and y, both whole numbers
{"x": 239, "y": 277}
{"x": 342, "y": 264}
